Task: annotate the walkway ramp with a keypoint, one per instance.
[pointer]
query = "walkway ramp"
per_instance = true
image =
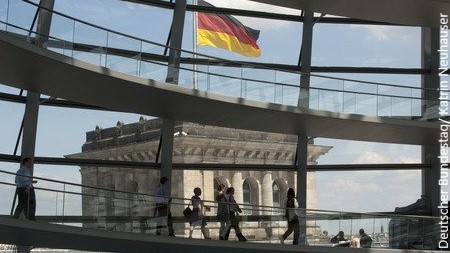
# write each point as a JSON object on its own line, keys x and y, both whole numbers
{"x": 24, "y": 232}
{"x": 29, "y": 67}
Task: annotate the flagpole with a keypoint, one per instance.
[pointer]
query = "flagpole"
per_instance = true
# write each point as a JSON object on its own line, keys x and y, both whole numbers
{"x": 194, "y": 45}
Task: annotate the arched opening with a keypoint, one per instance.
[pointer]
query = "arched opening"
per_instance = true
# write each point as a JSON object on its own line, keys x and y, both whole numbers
{"x": 247, "y": 196}
{"x": 276, "y": 194}
{"x": 216, "y": 187}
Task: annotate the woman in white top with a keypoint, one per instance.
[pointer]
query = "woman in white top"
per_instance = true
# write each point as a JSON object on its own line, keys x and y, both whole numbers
{"x": 197, "y": 217}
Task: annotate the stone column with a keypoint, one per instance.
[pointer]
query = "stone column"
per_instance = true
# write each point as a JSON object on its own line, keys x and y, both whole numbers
{"x": 311, "y": 190}
{"x": 236, "y": 183}
{"x": 192, "y": 179}
{"x": 208, "y": 185}
{"x": 89, "y": 177}
{"x": 267, "y": 196}
{"x": 119, "y": 183}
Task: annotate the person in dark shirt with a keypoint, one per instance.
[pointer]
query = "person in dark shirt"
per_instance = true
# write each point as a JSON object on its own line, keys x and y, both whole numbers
{"x": 292, "y": 217}
{"x": 223, "y": 214}
{"x": 234, "y": 219}
{"x": 365, "y": 241}
{"x": 339, "y": 240}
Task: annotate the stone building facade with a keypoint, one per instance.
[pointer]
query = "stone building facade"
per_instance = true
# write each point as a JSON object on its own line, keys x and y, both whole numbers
{"x": 193, "y": 144}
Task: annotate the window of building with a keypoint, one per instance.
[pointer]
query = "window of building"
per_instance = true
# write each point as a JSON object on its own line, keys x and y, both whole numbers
{"x": 247, "y": 197}
{"x": 276, "y": 195}
{"x": 216, "y": 187}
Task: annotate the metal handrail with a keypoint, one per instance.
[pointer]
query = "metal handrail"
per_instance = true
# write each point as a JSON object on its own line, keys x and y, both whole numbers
{"x": 257, "y": 80}
{"x": 73, "y": 193}
{"x": 213, "y": 166}
{"x": 245, "y": 206}
{"x": 214, "y": 57}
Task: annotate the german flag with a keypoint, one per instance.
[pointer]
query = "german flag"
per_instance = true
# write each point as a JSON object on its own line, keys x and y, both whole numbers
{"x": 224, "y": 31}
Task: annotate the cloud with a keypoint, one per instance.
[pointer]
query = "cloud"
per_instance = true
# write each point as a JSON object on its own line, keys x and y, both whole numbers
{"x": 405, "y": 175}
{"x": 258, "y": 23}
{"x": 368, "y": 157}
{"x": 351, "y": 186}
{"x": 250, "y": 5}
{"x": 387, "y": 33}
{"x": 367, "y": 191}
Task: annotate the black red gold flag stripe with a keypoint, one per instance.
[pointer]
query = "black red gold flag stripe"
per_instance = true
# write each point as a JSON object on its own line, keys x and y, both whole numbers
{"x": 225, "y": 31}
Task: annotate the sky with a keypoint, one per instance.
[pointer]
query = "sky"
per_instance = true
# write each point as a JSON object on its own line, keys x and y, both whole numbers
{"x": 61, "y": 131}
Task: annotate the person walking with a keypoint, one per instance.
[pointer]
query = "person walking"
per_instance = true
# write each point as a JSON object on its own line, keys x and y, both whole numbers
{"x": 25, "y": 190}
{"x": 223, "y": 213}
{"x": 234, "y": 209}
{"x": 291, "y": 204}
{"x": 162, "y": 209}
{"x": 197, "y": 217}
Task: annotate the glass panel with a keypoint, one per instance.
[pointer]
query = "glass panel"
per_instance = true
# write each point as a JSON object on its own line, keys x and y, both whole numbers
{"x": 20, "y": 14}
{"x": 416, "y": 108}
{"x": 384, "y": 106}
{"x": 187, "y": 77}
{"x": 85, "y": 34}
{"x": 224, "y": 80}
{"x": 349, "y": 102}
{"x": 366, "y": 104}
{"x": 123, "y": 54}
{"x": 58, "y": 203}
{"x": 75, "y": 128}
{"x": 394, "y": 91}
{"x": 286, "y": 94}
{"x": 330, "y": 101}
{"x": 11, "y": 127}
{"x": 359, "y": 152}
{"x": 95, "y": 41}
{"x": 143, "y": 21}
{"x": 366, "y": 46}
{"x": 62, "y": 28}
{"x": 153, "y": 70}
{"x": 356, "y": 188}
{"x": 4, "y": 6}
{"x": 401, "y": 107}
{"x": 7, "y": 187}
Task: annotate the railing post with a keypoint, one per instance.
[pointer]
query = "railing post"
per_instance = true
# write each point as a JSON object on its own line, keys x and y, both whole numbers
{"x": 139, "y": 64}
{"x": 106, "y": 49}
{"x": 64, "y": 203}
{"x": 14, "y": 202}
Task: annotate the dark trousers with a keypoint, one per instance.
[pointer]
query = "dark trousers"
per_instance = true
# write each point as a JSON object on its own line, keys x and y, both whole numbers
{"x": 234, "y": 223}
{"x": 293, "y": 225}
{"x": 27, "y": 202}
{"x": 163, "y": 210}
